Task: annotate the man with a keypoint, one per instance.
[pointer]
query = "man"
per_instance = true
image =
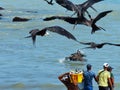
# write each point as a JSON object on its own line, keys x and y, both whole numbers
{"x": 103, "y": 78}
{"x": 65, "y": 79}
{"x": 111, "y": 77}
{"x": 88, "y": 77}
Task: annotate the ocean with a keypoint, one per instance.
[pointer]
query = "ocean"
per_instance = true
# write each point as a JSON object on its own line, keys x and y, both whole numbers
{"x": 25, "y": 67}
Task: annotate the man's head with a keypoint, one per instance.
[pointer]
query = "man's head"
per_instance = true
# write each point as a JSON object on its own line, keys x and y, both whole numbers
{"x": 89, "y": 66}
{"x": 109, "y": 68}
{"x": 105, "y": 65}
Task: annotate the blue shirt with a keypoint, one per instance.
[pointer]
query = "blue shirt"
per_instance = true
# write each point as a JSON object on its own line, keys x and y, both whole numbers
{"x": 88, "y": 77}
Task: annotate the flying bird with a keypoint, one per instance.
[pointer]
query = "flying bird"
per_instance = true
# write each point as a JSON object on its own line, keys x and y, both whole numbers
{"x": 80, "y": 9}
{"x": 99, "y": 16}
{"x": 82, "y": 20}
{"x": 94, "y": 45}
{"x": 68, "y": 5}
{"x": 56, "y": 29}
{"x": 85, "y": 5}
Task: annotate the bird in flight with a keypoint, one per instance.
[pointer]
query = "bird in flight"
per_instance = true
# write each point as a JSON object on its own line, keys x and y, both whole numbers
{"x": 94, "y": 45}
{"x": 56, "y": 29}
{"x": 85, "y": 5}
{"x": 80, "y": 9}
{"x": 81, "y": 20}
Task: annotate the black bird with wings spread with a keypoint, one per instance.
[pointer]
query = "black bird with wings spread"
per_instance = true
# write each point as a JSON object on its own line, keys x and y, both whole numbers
{"x": 82, "y": 20}
{"x": 56, "y": 29}
{"x": 80, "y": 9}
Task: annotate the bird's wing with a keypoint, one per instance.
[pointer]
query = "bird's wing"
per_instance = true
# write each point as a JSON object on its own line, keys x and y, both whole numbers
{"x": 66, "y": 4}
{"x": 113, "y": 44}
{"x": 101, "y": 15}
{"x": 50, "y": 18}
{"x": 102, "y": 44}
{"x": 89, "y": 47}
{"x": 58, "y": 17}
{"x": 34, "y": 31}
{"x": 89, "y": 3}
{"x": 71, "y": 20}
{"x": 87, "y": 43}
{"x": 61, "y": 31}
{"x": 33, "y": 35}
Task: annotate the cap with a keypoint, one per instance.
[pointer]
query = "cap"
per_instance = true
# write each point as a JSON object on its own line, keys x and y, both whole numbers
{"x": 89, "y": 65}
{"x": 110, "y": 68}
{"x": 82, "y": 52}
{"x": 106, "y": 65}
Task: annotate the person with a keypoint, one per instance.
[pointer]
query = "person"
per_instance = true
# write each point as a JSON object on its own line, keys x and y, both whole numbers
{"x": 65, "y": 79}
{"x": 77, "y": 56}
{"x": 80, "y": 53}
{"x": 88, "y": 77}
{"x": 103, "y": 78}
{"x": 111, "y": 77}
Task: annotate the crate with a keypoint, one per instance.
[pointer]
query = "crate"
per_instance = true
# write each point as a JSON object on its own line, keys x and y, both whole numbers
{"x": 76, "y": 77}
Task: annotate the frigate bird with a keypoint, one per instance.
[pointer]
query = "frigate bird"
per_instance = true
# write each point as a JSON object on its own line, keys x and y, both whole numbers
{"x": 82, "y": 20}
{"x": 66, "y": 4}
{"x": 85, "y": 5}
{"x": 49, "y": 2}
{"x": 80, "y": 9}
{"x": 94, "y": 45}
{"x": 56, "y": 29}
{"x": 69, "y": 6}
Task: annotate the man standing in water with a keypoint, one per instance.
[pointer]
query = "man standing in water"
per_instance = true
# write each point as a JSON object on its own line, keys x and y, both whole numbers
{"x": 111, "y": 78}
{"x": 65, "y": 79}
{"x": 88, "y": 77}
{"x": 103, "y": 78}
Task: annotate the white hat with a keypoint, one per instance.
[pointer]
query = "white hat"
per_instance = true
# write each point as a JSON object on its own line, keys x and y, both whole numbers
{"x": 105, "y": 64}
{"x": 82, "y": 52}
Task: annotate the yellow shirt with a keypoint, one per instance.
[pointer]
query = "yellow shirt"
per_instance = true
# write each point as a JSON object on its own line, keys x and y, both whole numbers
{"x": 103, "y": 78}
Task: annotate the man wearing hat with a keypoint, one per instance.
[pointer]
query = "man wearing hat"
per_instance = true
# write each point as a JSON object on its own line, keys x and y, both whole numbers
{"x": 103, "y": 78}
{"x": 111, "y": 77}
{"x": 88, "y": 77}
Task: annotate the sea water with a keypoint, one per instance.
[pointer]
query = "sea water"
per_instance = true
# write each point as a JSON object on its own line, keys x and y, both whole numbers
{"x": 25, "y": 67}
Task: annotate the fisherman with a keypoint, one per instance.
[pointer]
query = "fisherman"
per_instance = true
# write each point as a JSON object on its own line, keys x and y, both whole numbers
{"x": 65, "y": 79}
{"x": 78, "y": 56}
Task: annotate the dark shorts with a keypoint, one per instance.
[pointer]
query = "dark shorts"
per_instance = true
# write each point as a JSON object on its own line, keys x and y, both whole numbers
{"x": 103, "y": 88}
{"x": 88, "y": 88}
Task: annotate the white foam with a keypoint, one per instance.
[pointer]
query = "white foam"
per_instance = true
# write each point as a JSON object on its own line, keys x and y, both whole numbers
{"x": 61, "y": 60}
